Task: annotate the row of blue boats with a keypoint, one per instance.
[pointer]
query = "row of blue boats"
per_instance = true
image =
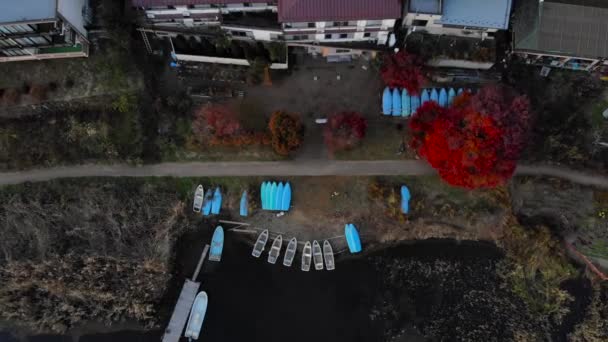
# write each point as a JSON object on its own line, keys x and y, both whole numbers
{"x": 397, "y": 102}
{"x": 275, "y": 196}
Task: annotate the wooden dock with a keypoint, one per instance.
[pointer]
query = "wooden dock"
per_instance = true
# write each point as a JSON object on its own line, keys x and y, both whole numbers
{"x": 179, "y": 318}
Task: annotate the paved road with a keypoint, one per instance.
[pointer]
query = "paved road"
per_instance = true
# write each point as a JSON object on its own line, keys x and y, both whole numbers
{"x": 284, "y": 168}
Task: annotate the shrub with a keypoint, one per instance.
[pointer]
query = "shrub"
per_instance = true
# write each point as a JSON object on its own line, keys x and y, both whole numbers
{"x": 218, "y": 120}
{"x": 403, "y": 70}
{"x": 286, "y": 131}
{"x": 344, "y": 131}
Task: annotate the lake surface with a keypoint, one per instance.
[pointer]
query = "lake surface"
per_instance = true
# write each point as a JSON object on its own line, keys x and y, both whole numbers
{"x": 252, "y": 300}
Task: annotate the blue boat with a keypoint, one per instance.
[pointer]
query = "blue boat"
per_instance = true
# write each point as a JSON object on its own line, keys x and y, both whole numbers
{"x": 406, "y": 110}
{"x": 459, "y": 91}
{"x": 216, "y": 203}
{"x": 352, "y": 238}
{"x": 273, "y": 196}
{"x": 414, "y": 103}
{"x": 451, "y": 96}
{"x": 268, "y": 192}
{"x": 286, "y": 200}
{"x": 278, "y": 199}
{"x": 405, "y": 199}
{"x": 387, "y": 101}
{"x": 244, "y": 209}
{"x": 207, "y": 202}
{"x": 424, "y": 97}
{"x": 263, "y": 194}
{"x": 197, "y": 316}
{"x": 443, "y": 98}
{"x": 434, "y": 95}
{"x": 396, "y": 102}
{"x": 217, "y": 244}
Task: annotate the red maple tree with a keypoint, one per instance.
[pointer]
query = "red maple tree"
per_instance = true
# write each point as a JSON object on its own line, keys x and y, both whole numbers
{"x": 344, "y": 130}
{"x": 403, "y": 70}
{"x": 219, "y": 120}
{"x": 474, "y": 143}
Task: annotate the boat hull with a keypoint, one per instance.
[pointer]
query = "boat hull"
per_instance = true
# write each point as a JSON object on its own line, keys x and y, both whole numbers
{"x": 328, "y": 256}
{"x": 317, "y": 255}
{"x": 216, "y": 204}
{"x": 260, "y": 244}
{"x": 290, "y": 252}
{"x": 199, "y": 198}
{"x": 286, "y": 200}
{"x": 278, "y": 200}
{"x": 197, "y": 316}
{"x": 275, "y": 250}
{"x": 352, "y": 238}
{"x": 244, "y": 207}
{"x": 405, "y": 199}
{"x": 306, "y": 257}
{"x": 217, "y": 244}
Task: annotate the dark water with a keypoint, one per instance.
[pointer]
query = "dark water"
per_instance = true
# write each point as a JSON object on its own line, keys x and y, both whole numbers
{"x": 251, "y": 300}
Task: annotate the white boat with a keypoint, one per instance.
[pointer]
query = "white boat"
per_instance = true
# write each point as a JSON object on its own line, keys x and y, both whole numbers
{"x": 306, "y": 256}
{"x": 199, "y": 196}
{"x": 290, "y": 252}
{"x": 328, "y": 255}
{"x": 197, "y": 316}
{"x": 317, "y": 255}
{"x": 260, "y": 244}
{"x": 275, "y": 250}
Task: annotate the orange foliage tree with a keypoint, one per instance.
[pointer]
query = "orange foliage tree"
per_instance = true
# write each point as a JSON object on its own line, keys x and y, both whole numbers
{"x": 218, "y": 124}
{"x": 473, "y": 143}
{"x": 344, "y": 130}
{"x": 286, "y": 132}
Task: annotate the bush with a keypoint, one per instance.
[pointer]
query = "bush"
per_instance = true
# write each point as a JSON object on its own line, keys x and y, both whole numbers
{"x": 344, "y": 131}
{"x": 286, "y": 131}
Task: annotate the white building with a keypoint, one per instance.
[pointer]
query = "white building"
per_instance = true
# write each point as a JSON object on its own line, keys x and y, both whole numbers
{"x": 467, "y": 18}
{"x": 43, "y": 29}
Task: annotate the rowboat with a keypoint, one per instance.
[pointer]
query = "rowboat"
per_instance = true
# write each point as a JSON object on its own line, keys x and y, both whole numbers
{"x": 290, "y": 252}
{"x": 197, "y": 316}
{"x": 217, "y": 244}
{"x": 199, "y": 196}
{"x": 306, "y": 257}
{"x": 267, "y": 194}
{"x": 387, "y": 101}
{"x": 272, "y": 197}
{"x": 352, "y": 238}
{"x": 405, "y": 199}
{"x": 328, "y": 255}
{"x": 278, "y": 199}
{"x": 317, "y": 255}
{"x": 451, "y": 96}
{"x": 207, "y": 203}
{"x": 263, "y": 195}
{"x": 275, "y": 250}
{"x": 424, "y": 97}
{"x": 396, "y": 102}
{"x": 443, "y": 98}
{"x": 286, "y": 200}
{"x": 414, "y": 103}
{"x": 216, "y": 203}
{"x": 435, "y": 96}
{"x": 244, "y": 209}
{"x": 405, "y": 103}
{"x": 260, "y": 244}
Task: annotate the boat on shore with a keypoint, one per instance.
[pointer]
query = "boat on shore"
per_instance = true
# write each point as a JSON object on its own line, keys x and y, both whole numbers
{"x": 275, "y": 250}
{"x": 290, "y": 252}
{"x": 216, "y": 203}
{"x": 306, "y": 257}
{"x": 207, "y": 203}
{"x": 217, "y": 244}
{"x": 197, "y": 316}
{"x": 199, "y": 197}
{"x": 244, "y": 208}
{"x": 317, "y": 255}
{"x": 352, "y": 238}
{"x": 260, "y": 244}
{"x": 328, "y": 255}
{"x": 286, "y": 200}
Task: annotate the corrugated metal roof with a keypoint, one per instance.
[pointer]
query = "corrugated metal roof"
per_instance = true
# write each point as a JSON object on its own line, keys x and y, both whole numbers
{"x": 149, "y": 3}
{"x": 27, "y": 10}
{"x": 338, "y": 10}
{"x": 477, "y": 13}
{"x": 425, "y": 6}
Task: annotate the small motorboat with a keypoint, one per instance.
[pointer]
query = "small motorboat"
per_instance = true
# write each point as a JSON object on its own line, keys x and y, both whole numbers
{"x": 275, "y": 250}
{"x": 244, "y": 209}
{"x": 290, "y": 252}
{"x": 199, "y": 196}
{"x": 328, "y": 255}
{"x": 306, "y": 257}
{"x": 352, "y": 238}
{"x": 317, "y": 255}
{"x": 197, "y": 316}
{"x": 207, "y": 201}
{"x": 260, "y": 244}
{"x": 217, "y": 244}
{"x": 216, "y": 203}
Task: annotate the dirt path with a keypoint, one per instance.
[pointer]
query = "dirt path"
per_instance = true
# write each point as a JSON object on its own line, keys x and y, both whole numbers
{"x": 289, "y": 168}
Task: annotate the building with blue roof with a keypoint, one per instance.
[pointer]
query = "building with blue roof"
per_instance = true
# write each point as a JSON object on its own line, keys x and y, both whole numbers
{"x": 481, "y": 18}
{"x": 43, "y": 29}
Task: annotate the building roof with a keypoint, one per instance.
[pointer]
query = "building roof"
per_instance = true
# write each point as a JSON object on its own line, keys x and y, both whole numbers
{"x": 27, "y": 10}
{"x": 338, "y": 10}
{"x": 150, "y": 3}
{"x": 477, "y": 13}
{"x": 574, "y": 28}
{"x": 425, "y": 6}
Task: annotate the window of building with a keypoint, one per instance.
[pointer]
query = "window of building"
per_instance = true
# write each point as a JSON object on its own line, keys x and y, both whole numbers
{"x": 343, "y": 35}
{"x": 311, "y": 25}
{"x": 342, "y": 50}
{"x": 367, "y": 35}
{"x": 247, "y": 4}
{"x": 418, "y": 22}
{"x": 287, "y": 25}
{"x": 328, "y": 36}
{"x": 345, "y": 23}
